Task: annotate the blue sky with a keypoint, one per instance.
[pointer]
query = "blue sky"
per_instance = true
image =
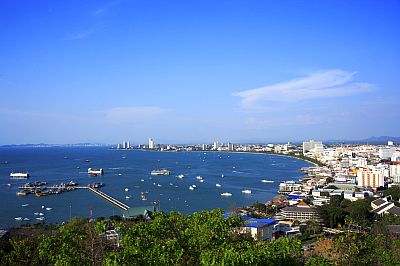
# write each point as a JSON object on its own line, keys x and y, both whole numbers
{"x": 198, "y": 71}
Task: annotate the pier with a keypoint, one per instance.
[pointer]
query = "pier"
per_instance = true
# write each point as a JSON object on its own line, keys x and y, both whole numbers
{"x": 114, "y": 201}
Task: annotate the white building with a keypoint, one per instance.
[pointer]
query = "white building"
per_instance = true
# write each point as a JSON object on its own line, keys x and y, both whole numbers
{"x": 312, "y": 146}
{"x": 395, "y": 157}
{"x": 370, "y": 177}
{"x": 151, "y": 143}
{"x": 386, "y": 153}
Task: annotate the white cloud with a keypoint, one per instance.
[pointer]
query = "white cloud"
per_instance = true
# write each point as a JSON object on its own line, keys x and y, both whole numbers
{"x": 133, "y": 114}
{"x": 327, "y": 84}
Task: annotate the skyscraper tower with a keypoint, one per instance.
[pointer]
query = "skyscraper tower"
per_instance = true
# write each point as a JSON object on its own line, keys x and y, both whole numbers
{"x": 151, "y": 143}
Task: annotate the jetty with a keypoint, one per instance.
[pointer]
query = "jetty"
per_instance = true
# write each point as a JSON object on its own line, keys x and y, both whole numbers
{"x": 114, "y": 201}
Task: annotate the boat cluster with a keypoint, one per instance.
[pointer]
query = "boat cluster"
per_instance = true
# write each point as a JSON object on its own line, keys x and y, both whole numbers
{"x": 40, "y": 188}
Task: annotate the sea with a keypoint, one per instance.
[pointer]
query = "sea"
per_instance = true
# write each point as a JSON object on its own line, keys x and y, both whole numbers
{"x": 127, "y": 175}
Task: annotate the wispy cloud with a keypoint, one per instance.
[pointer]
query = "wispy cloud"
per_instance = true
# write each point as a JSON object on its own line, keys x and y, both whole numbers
{"x": 79, "y": 35}
{"x": 133, "y": 114}
{"x": 105, "y": 8}
{"x": 327, "y": 84}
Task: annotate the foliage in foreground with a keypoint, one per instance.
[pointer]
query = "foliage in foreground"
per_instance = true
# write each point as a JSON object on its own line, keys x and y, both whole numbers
{"x": 203, "y": 238}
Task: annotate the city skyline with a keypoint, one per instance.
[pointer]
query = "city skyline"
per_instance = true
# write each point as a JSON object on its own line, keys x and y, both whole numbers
{"x": 105, "y": 71}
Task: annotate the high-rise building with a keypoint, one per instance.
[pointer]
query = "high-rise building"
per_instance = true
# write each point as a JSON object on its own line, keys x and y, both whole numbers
{"x": 151, "y": 143}
{"x": 128, "y": 145}
{"x": 230, "y": 146}
{"x": 370, "y": 177}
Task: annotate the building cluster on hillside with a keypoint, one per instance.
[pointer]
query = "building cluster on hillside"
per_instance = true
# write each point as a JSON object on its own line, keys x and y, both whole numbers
{"x": 355, "y": 172}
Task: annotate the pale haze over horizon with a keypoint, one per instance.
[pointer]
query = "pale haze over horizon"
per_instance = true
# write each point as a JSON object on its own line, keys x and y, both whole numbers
{"x": 198, "y": 71}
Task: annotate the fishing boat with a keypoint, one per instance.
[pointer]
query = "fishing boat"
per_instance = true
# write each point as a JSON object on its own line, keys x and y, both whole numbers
{"x": 226, "y": 194}
{"x": 246, "y": 191}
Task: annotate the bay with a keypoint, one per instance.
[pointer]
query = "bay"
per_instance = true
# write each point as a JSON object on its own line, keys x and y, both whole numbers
{"x": 124, "y": 169}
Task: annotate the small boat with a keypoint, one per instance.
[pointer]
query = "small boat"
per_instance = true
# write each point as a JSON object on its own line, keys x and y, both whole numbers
{"x": 119, "y": 174}
{"x": 181, "y": 176}
{"x": 267, "y": 181}
{"x": 246, "y": 191}
{"x": 18, "y": 218}
{"x": 25, "y": 205}
{"x": 40, "y": 218}
{"x": 141, "y": 180}
{"x": 201, "y": 180}
{"x": 191, "y": 188}
{"x": 41, "y": 213}
{"x": 126, "y": 189}
{"x": 159, "y": 185}
{"x": 194, "y": 186}
{"x": 36, "y": 213}
{"x": 19, "y": 175}
{"x": 226, "y": 194}
{"x": 199, "y": 177}
{"x": 26, "y": 219}
{"x": 218, "y": 185}
{"x": 222, "y": 176}
{"x": 160, "y": 172}
{"x": 9, "y": 185}
{"x": 48, "y": 209}
{"x": 127, "y": 197}
{"x": 42, "y": 206}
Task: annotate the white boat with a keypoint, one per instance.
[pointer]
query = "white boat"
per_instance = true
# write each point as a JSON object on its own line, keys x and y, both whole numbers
{"x": 191, "y": 187}
{"x": 18, "y": 218}
{"x": 48, "y": 209}
{"x": 181, "y": 176}
{"x": 246, "y": 191}
{"x": 25, "y": 205}
{"x": 42, "y": 206}
{"x": 194, "y": 186}
{"x": 36, "y": 213}
{"x": 226, "y": 194}
{"x": 267, "y": 181}
{"x": 95, "y": 172}
{"x": 41, "y": 214}
{"x": 218, "y": 185}
{"x": 222, "y": 176}
{"x": 141, "y": 180}
{"x": 160, "y": 172}
{"x": 127, "y": 197}
{"x": 126, "y": 189}
{"x": 159, "y": 185}
{"x": 199, "y": 177}
{"x": 201, "y": 181}
{"x": 26, "y": 219}
{"x": 19, "y": 175}
{"x": 40, "y": 218}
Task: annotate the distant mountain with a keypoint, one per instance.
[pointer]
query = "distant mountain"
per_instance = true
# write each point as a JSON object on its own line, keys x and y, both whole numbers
{"x": 55, "y": 145}
{"x": 381, "y": 140}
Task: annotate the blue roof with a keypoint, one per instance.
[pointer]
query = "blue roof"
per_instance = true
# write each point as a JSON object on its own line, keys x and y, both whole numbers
{"x": 254, "y": 222}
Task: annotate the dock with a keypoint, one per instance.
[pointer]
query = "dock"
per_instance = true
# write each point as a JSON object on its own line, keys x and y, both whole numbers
{"x": 114, "y": 201}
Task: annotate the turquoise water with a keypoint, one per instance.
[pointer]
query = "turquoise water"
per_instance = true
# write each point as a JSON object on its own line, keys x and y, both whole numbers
{"x": 126, "y": 169}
